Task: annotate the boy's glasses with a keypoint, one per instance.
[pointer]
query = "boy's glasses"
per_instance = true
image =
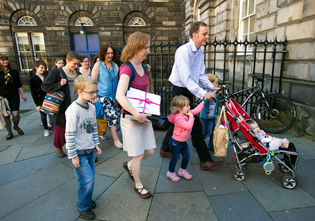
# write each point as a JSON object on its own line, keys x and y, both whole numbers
{"x": 91, "y": 93}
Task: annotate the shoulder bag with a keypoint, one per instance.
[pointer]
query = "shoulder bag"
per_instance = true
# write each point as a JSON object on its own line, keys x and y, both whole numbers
{"x": 52, "y": 101}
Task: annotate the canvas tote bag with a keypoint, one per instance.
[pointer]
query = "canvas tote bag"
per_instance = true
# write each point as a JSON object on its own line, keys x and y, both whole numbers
{"x": 221, "y": 135}
{"x": 101, "y": 126}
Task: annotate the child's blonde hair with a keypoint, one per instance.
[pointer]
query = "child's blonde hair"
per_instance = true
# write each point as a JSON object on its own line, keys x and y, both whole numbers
{"x": 212, "y": 77}
{"x": 178, "y": 103}
{"x": 82, "y": 81}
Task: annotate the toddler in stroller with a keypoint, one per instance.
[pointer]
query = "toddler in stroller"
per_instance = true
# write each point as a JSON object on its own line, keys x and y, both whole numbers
{"x": 256, "y": 150}
{"x": 274, "y": 143}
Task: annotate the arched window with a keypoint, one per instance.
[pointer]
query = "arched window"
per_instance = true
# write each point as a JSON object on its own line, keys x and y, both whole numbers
{"x": 136, "y": 21}
{"x": 84, "y": 21}
{"x": 27, "y": 21}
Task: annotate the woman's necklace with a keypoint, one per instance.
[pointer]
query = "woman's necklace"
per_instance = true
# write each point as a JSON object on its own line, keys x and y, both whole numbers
{"x": 110, "y": 67}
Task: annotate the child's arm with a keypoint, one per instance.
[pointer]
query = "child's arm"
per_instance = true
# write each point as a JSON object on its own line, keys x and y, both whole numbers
{"x": 98, "y": 150}
{"x": 181, "y": 122}
{"x": 198, "y": 108}
{"x": 70, "y": 132}
{"x": 266, "y": 140}
{"x": 95, "y": 132}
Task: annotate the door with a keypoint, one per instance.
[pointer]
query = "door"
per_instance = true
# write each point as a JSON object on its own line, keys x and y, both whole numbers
{"x": 87, "y": 44}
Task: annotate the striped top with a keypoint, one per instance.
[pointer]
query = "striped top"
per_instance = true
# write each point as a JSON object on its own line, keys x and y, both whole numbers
{"x": 81, "y": 128}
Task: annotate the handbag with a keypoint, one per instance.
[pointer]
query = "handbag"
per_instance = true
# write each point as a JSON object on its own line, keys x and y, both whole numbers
{"x": 101, "y": 126}
{"x": 221, "y": 135}
{"x": 52, "y": 101}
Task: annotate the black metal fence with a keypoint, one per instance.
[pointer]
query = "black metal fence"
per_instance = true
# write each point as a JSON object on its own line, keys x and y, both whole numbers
{"x": 233, "y": 61}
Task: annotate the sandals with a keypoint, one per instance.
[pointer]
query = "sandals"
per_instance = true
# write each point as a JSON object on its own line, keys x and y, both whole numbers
{"x": 19, "y": 130}
{"x": 143, "y": 196}
{"x": 125, "y": 166}
{"x": 9, "y": 136}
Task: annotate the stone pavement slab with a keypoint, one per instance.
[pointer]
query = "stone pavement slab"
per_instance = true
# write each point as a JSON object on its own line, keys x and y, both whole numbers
{"x": 238, "y": 206}
{"x": 307, "y": 183}
{"x": 20, "y": 169}
{"x": 165, "y": 185}
{"x": 59, "y": 204}
{"x": 36, "y": 150}
{"x": 9, "y": 156}
{"x": 113, "y": 166}
{"x": 304, "y": 168}
{"x": 219, "y": 181}
{"x": 153, "y": 161}
{"x": 181, "y": 206}
{"x": 305, "y": 214}
{"x": 270, "y": 193}
{"x": 304, "y": 147}
{"x": 120, "y": 201}
{"x": 31, "y": 187}
{"x": 21, "y": 140}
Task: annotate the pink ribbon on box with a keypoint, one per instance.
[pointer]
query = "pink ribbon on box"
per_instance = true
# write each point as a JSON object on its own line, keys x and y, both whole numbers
{"x": 145, "y": 100}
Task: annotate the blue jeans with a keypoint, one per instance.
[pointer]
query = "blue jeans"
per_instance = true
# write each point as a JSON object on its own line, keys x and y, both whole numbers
{"x": 85, "y": 176}
{"x": 209, "y": 125}
{"x": 177, "y": 148}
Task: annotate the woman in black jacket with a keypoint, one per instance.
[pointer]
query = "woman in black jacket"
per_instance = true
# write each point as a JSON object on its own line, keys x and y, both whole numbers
{"x": 62, "y": 79}
{"x": 11, "y": 89}
{"x": 37, "y": 93}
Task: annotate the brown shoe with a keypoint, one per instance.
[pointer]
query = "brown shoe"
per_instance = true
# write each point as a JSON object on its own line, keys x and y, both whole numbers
{"x": 165, "y": 154}
{"x": 125, "y": 166}
{"x": 143, "y": 196}
{"x": 60, "y": 153}
{"x": 210, "y": 165}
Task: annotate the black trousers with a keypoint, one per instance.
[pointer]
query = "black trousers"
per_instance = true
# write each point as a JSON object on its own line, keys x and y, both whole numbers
{"x": 293, "y": 159}
{"x": 196, "y": 133}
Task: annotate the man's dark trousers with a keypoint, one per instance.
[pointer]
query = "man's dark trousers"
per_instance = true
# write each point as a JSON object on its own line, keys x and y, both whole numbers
{"x": 196, "y": 133}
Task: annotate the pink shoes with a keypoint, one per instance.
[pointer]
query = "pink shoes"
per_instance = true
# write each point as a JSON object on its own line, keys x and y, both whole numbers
{"x": 181, "y": 172}
{"x": 185, "y": 174}
{"x": 172, "y": 176}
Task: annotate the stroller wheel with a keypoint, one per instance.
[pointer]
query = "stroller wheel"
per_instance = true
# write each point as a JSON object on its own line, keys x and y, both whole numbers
{"x": 239, "y": 175}
{"x": 289, "y": 182}
{"x": 283, "y": 168}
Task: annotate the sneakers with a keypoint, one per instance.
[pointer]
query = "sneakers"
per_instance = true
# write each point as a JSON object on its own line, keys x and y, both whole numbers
{"x": 172, "y": 176}
{"x": 184, "y": 173}
{"x": 60, "y": 152}
{"x": 87, "y": 214}
{"x": 46, "y": 133}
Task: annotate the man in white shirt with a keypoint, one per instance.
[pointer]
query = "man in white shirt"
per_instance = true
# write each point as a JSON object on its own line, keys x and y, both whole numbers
{"x": 188, "y": 70}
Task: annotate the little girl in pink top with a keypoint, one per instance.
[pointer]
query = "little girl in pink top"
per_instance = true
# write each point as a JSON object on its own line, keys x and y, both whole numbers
{"x": 183, "y": 119}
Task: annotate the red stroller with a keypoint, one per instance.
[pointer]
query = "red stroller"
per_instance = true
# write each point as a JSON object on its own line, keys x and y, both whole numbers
{"x": 256, "y": 151}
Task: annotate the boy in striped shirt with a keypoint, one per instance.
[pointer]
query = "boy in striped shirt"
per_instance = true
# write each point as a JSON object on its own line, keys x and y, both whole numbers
{"x": 81, "y": 140}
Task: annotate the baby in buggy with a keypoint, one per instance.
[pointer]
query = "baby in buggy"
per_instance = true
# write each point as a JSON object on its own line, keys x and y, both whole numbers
{"x": 274, "y": 143}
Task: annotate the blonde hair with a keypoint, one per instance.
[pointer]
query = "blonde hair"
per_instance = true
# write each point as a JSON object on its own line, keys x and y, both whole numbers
{"x": 178, "y": 103}
{"x": 136, "y": 42}
{"x": 82, "y": 81}
{"x": 212, "y": 77}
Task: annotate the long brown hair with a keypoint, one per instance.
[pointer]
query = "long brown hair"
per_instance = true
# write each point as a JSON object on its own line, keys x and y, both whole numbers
{"x": 4, "y": 57}
{"x": 136, "y": 41}
{"x": 103, "y": 51}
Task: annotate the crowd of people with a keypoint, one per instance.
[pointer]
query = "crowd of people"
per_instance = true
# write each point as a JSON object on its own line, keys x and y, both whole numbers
{"x": 104, "y": 83}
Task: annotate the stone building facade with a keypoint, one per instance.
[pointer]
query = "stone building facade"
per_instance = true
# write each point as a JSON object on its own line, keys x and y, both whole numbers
{"x": 267, "y": 19}
{"x": 43, "y": 27}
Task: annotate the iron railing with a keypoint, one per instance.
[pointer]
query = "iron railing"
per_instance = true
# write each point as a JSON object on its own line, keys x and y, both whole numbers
{"x": 233, "y": 61}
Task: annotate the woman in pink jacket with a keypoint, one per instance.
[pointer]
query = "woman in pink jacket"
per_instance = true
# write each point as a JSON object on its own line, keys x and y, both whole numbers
{"x": 183, "y": 119}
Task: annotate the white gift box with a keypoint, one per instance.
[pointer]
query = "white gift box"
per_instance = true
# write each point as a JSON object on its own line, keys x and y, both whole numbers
{"x": 144, "y": 102}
